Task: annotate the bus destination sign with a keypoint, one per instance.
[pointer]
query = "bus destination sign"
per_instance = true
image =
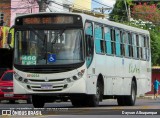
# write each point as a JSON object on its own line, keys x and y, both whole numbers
{"x": 48, "y": 20}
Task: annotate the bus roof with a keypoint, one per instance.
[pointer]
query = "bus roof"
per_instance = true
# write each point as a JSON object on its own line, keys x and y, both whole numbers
{"x": 98, "y": 20}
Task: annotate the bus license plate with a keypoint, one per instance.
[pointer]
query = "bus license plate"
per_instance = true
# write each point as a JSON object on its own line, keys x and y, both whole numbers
{"x": 46, "y": 86}
{"x": 8, "y": 95}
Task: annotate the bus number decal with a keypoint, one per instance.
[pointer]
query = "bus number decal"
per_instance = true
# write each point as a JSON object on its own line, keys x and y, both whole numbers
{"x": 32, "y": 75}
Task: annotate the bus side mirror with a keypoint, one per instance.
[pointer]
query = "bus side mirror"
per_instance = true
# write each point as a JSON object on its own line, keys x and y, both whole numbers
{"x": 9, "y": 38}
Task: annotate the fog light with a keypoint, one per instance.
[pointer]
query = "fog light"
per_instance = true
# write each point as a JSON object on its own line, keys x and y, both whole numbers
{"x": 80, "y": 74}
{"x": 28, "y": 87}
{"x": 20, "y": 78}
{"x": 68, "y": 80}
{"x": 25, "y": 80}
{"x": 65, "y": 86}
{"x": 75, "y": 78}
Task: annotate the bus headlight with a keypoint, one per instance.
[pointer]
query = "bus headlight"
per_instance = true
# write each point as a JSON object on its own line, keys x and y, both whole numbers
{"x": 16, "y": 76}
{"x": 68, "y": 79}
{"x": 25, "y": 80}
{"x": 80, "y": 74}
{"x": 20, "y": 79}
{"x": 74, "y": 77}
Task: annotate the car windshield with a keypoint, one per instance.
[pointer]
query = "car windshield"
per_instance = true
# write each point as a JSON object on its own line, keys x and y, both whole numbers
{"x": 8, "y": 76}
{"x": 48, "y": 47}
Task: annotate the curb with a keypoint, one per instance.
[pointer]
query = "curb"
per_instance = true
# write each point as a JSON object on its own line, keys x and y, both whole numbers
{"x": 147, "y": 97}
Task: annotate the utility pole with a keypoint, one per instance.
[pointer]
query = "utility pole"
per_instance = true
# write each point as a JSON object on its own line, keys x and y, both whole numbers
{"x": 102, "y": 10}
{"x": 42, "y": 5}
{"x": 127, "y": 10}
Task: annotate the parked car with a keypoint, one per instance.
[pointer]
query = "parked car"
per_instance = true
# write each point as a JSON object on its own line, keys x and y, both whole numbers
{"x": 6, "y": 88}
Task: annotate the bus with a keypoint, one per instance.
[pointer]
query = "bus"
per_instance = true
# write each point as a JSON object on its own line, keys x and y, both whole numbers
{"x": 81, "y": 58}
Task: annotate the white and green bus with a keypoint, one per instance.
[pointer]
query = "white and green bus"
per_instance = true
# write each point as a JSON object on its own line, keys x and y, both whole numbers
{"x": 81, "y": 58}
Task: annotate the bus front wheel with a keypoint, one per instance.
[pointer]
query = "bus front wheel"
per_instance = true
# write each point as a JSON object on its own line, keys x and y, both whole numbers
{"x": 38, "y": 101}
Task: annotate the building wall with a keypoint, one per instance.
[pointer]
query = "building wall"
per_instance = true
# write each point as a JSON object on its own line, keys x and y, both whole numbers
{"x": 19, "y": 7}
{"x": 155, "y": 75}
{"x": 82, "y": 4}
{"x": 5, "y": 9}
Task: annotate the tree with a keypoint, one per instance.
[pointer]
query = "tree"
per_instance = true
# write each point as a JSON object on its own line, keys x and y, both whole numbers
{"x": 119, "y": 13}
{"x": 146, "y": 12}
{"x": 155, "y": 47}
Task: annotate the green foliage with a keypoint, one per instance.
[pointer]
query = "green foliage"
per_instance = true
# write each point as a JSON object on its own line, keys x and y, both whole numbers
{"x": 155, "y": 47}
{"x": 119, "y": 12}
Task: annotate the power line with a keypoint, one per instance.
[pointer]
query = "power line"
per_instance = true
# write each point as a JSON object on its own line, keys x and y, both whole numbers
{"x": 101, "y": 3}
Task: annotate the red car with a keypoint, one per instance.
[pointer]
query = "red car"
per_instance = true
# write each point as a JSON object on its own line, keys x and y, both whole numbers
{"x": 6, "y": 88}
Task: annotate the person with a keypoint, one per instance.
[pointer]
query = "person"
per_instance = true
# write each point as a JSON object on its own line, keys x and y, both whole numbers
{"x": 156, "y": 87}
{"x": 33, "y": 49}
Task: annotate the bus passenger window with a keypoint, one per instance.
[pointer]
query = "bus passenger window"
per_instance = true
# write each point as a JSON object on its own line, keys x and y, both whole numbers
{"x": 107, "y": 37}
{"x": 118, "y": 46}
{"x": 130, "y": 45}
{"x": 113, "y": 41}
{"x": 137, "y": 45}
{"x": 99, "y": 39}
{"x": 89, "y": 43}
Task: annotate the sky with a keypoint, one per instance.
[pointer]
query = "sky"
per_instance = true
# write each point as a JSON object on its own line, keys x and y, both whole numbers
{"x": 106, "y": 2}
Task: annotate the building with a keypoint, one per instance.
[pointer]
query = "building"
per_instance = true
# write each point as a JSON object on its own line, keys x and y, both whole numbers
{"x": 5, "y": 12}
{"x": 155, "y": 75}
{"x": 19, "y": 7}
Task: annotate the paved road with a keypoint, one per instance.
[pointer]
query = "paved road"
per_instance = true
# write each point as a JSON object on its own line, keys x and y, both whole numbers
{"x": 107, "y": 107}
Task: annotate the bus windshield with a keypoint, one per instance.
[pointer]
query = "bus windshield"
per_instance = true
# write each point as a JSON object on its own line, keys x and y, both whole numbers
{"x": 48, "y": 47}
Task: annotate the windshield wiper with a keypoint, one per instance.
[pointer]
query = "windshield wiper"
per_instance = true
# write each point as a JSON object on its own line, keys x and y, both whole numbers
{"x": 36, "y": 33}
{"x": 45, "y": 45}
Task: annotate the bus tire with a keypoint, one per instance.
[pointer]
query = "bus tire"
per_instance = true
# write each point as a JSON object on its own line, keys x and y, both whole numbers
{"x": 121, "y": 101}
{"x": 79, "y": 101}
{"x": 29, "y": 101}
{"x": 12, "y": 101}
{"x": 75, "y": 102}
{"x": 38, "y": 101}
{"x": 93, "y": 100}
{"x": 130, "y": 100}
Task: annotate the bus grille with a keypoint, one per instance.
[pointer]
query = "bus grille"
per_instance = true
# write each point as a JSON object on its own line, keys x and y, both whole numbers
{"x": 52, "y": 85}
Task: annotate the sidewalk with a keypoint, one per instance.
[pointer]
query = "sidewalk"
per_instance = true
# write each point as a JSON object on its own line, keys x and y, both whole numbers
{"x": 148, "y": 96}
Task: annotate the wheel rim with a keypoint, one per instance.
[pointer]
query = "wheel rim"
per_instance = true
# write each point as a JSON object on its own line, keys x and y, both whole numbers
{"x": 133, "y": 93}
{"x": 97, "y": 94}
